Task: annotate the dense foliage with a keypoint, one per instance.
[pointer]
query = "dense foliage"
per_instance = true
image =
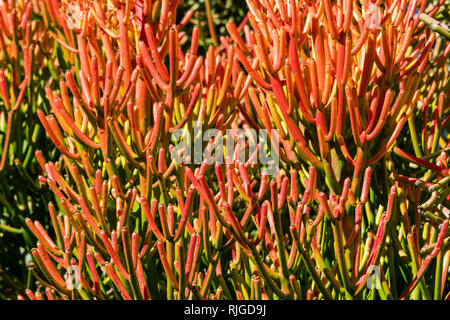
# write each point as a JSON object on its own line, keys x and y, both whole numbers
{"x": 352, "y": 94}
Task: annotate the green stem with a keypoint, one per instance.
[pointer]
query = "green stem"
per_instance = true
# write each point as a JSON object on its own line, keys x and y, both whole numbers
{"x": 436, "y": 26}
{"x": 265, "y": 274}
{"x": 437, "y": 277}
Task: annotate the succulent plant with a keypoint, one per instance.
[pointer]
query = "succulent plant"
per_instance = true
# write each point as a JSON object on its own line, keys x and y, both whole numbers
{"x": 352, "y": 95}
{"x": 24, "y": 49}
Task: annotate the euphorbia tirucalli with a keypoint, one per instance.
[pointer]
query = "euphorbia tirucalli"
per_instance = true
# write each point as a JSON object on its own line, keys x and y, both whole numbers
{"x": 333, "y": 81}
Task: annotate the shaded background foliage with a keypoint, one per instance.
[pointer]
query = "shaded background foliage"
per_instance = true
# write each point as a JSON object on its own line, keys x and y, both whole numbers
{"x": 22, "y": 196}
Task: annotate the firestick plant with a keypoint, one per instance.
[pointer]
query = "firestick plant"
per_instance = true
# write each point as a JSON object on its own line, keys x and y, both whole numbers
{"x": 188, "y": 151}
{"x": 319, "y": 132}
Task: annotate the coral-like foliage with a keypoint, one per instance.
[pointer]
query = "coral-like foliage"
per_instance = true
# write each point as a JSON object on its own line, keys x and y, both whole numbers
{"x": 354, "y": 93}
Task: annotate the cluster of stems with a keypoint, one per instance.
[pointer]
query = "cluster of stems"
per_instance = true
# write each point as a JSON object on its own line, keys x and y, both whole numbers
{"x": 24, "y": 48}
